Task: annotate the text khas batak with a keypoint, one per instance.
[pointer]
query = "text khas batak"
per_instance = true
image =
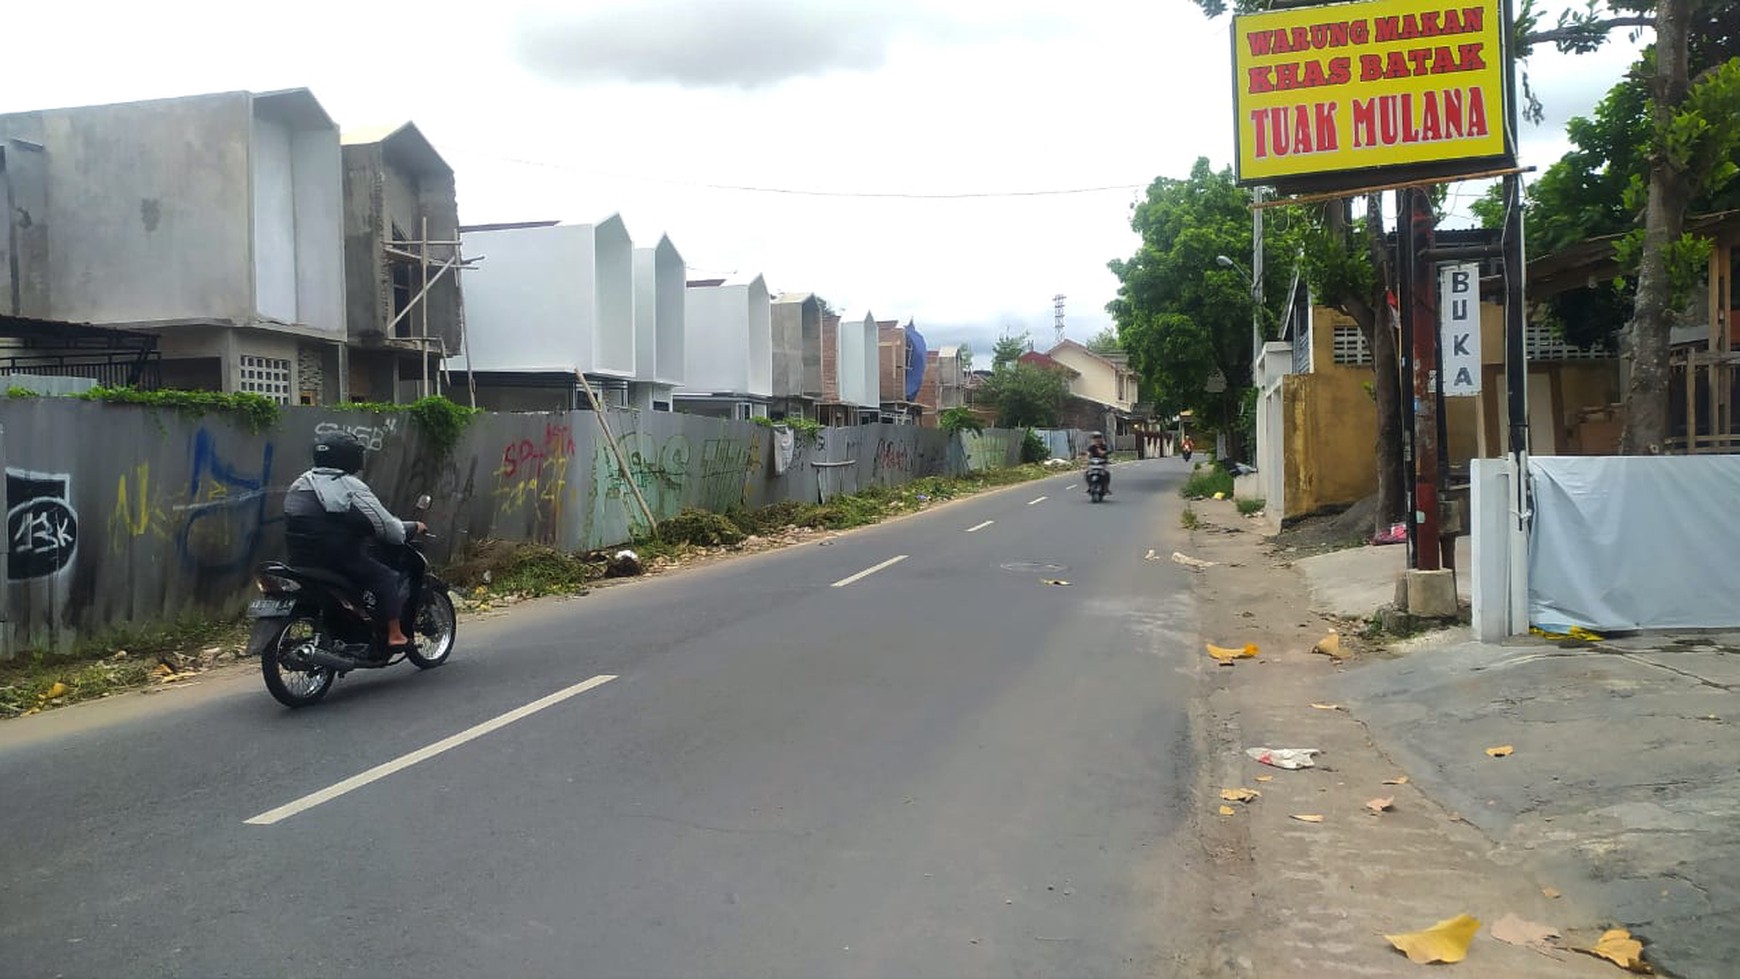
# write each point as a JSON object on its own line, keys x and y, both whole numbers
{"x": 1434, "y": 115}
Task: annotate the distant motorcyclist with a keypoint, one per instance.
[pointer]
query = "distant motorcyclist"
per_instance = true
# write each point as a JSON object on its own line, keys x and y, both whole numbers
{"x": 1099, "y": 451}
{"x": 331, "y": 515}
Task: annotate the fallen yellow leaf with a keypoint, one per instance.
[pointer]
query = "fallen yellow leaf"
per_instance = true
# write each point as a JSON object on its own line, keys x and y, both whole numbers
{"x": 1550, "y": 891}
{"x": 1500, "y": 751}
{"x": 59, "y": 689}
{"x": 1224, "y": 654}
{"x": 1329, "y": 646}
{"x": 1308, "y": 817}
{"x": 1265, "y": 778}
{"x": 1446, "y": 941}
{"x": 1379, "y": 805}
{"x": 1227, "y": 810}
{"x": 1239, "y": 795}
{"x": 1327, "y": 706}
{"x": 1398, "y": 780}
{"x": 1617, "y": 946}
{"x": 162, "y": 670}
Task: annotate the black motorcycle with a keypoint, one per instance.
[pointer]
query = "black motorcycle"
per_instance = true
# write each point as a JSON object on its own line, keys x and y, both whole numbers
{"x": 313, "y": 626}
{"x": 1099, "y": 479}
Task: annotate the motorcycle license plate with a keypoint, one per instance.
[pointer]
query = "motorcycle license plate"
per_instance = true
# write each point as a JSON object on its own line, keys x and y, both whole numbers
{"x": 267, "y": 608}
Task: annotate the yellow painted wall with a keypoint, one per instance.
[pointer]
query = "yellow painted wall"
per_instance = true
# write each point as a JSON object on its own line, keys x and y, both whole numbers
{"x": 1331, "y": 438}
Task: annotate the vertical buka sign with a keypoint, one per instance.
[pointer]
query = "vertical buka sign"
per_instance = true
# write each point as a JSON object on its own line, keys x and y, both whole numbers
{"x": 1459, "y": 336}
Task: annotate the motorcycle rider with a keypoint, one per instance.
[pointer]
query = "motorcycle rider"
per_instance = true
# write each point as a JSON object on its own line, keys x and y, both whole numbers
{"x": 330, "y": 515}
{"x": 1099, "y": 451}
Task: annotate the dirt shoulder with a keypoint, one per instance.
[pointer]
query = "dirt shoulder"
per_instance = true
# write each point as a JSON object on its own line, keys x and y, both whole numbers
{"x": 1310, "y": 877}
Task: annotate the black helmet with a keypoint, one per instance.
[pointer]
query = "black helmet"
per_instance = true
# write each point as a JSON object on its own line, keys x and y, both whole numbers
{"x": 339, "y": 450}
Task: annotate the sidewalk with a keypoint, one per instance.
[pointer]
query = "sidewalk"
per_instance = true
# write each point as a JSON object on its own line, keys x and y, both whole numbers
{"x": 1623, "y": 791}
{"x": 1316, "y": 898}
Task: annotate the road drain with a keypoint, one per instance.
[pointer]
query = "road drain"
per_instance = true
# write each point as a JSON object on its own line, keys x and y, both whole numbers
{"x": 1031, "y": 567}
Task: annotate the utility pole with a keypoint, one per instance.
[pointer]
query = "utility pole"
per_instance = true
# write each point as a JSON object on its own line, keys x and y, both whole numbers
{"x": 1256, "y": 280}
{"x": 1057, "y": 306}
{"x": 1423, "y": 300}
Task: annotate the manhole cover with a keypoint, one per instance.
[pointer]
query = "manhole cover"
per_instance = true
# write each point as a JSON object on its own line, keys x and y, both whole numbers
{"x": 1030, "y": 567}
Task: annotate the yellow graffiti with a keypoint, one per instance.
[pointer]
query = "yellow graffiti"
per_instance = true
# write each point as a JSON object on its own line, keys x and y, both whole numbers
{"x": 137, "y": 512}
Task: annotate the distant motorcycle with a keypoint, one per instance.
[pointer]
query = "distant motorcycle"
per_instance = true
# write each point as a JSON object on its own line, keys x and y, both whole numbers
{"x": 1099, "y": 479}
{"x": 312, "y": 626}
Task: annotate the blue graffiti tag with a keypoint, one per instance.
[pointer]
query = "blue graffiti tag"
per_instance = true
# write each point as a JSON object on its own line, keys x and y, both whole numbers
{"x": 226, "y": 510}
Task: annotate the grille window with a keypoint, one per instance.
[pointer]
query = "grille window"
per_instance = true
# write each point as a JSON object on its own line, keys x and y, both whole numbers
{"x": 1350, "y": 346}
{"x": 266, "y": 376}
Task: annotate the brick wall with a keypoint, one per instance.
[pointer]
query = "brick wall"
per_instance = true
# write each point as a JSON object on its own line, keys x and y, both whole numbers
{"x": 830, "y": 358}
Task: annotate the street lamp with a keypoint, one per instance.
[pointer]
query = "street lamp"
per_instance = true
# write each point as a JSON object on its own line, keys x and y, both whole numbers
{"x": 1256, "y": 286}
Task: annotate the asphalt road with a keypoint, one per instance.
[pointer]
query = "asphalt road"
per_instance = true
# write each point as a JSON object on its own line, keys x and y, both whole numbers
{"x": 944, "y": 767}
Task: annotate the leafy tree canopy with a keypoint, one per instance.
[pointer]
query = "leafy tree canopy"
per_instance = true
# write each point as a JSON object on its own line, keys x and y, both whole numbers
{"x": 1105, "y": 342}
{"x": 1007, "y": 348}
{"x": 1027, "y": 395}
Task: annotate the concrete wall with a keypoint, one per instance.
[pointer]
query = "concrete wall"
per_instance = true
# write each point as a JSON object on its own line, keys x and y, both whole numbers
{"x": 659, "y": 295}
{"x": 613, "y": 333}
{"x": 797, "y": 347}
{"x": 122, "y": 514}
{"x": 857, "y": 347}
{"x": 1330, "y": 427}
{"x": 729, "y": 345}
{"x": 529, "y": 305}
{"x": 142, "y": 211}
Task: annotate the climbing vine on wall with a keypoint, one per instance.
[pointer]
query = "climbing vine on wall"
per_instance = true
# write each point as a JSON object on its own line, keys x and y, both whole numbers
{"x": 805, "y": 430}
{"x": 441, "y": 421}
{"x": 256, "y": 412}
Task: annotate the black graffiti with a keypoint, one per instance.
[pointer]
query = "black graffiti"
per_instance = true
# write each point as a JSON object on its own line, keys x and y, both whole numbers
{"x": 42, "y": 529}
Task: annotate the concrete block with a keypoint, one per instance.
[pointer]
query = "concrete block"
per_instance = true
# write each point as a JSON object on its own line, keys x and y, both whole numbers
{"x": 1432, "y": 593}
{"x": 1401, "y": 590}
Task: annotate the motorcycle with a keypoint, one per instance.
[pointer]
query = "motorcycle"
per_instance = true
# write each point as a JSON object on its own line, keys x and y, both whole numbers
{"x": 312, "y": 626}
{"x": 1099, "y": 478}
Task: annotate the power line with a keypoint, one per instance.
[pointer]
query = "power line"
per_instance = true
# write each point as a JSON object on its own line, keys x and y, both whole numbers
{"x": 799, "y": 192}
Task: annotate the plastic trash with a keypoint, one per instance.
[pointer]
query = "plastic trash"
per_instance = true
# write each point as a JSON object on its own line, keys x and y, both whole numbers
{"x": 1198, "y": 564}
{"x": 1291, "y": 759}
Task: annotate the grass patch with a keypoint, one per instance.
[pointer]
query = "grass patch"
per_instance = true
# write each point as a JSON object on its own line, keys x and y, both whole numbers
{"x": 118, "y": 660}
{"x": 1188, "y": 519}
{"x": 520, "y": 568}
{"x": 1205, "y": 481}
{"x": 1248, "y": 506}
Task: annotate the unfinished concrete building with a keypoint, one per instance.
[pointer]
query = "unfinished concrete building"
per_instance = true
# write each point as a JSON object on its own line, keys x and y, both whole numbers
{"x": 402, "y": 255}
{"x": 214, "y": 222}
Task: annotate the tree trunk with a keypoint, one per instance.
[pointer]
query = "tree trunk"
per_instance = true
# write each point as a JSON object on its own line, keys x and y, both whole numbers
{"x": 1646, "y": 394}
{"x": 1372, "y": 313}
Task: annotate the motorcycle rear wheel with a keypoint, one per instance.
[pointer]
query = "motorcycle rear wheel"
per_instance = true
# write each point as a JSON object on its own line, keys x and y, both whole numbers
{"x": 292, "y": 683}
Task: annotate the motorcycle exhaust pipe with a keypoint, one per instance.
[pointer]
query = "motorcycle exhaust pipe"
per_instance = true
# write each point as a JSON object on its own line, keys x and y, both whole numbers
{"x": 332, "y": 661}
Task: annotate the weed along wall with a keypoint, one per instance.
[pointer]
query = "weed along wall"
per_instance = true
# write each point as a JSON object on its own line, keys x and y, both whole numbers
{"x": 123, "y": 515}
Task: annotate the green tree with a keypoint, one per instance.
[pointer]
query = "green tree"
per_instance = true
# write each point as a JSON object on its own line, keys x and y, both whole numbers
{"x": 1182, "y": 317}
{"x": 1007, "y": 348}
{"x": 966, "y": 357}
{"x": 1105, "y": 342}
{"x": 1026, "y": 395}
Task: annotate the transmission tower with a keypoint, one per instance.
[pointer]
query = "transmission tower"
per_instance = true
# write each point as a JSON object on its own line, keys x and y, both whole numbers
{"x": 1057, "y": 305}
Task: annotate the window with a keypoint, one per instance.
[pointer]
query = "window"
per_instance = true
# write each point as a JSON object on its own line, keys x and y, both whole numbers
{"x": 266, "y": 376}
{"x": 1350, "y": 346}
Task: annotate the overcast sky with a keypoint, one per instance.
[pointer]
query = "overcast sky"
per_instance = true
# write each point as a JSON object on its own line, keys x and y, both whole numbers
{"x": 663, "y": 110}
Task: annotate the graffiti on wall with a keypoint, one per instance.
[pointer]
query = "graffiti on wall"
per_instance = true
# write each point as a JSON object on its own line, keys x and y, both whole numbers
{"x": 533, "y": 478}
{"x": 725, "y": 468}
{"x": 42, "y": 529}
{"x": 893, "y": 460}
{"x": 658, "y": 468}
{"x": 225, "y": 513}
{"x": 216, "y": 521}
{"x": 373, "y": 437}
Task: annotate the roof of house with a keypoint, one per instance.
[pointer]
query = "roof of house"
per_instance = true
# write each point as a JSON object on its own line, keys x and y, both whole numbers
{"x": 1038, "y": 359}
{"x": 1066, "y": 342}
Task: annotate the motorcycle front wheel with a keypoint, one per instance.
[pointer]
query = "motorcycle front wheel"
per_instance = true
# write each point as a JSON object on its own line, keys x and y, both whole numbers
{"x": 436, "y": 629}
{"x": 293, "y": 681}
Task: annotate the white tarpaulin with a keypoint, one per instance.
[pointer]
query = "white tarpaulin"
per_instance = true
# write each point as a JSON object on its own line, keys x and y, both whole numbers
{"x": 1635, "y": 542}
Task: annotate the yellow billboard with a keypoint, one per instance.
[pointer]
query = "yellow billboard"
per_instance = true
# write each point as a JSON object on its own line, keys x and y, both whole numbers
{"x": 1321, "y": 91}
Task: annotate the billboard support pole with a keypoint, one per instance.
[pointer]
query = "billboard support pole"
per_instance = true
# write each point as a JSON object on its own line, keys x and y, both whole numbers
{"x": 1423, "y": 299}
{"x": 1404, "y": 278}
